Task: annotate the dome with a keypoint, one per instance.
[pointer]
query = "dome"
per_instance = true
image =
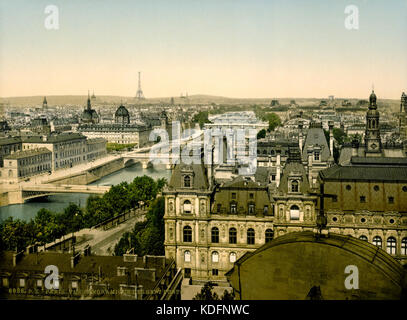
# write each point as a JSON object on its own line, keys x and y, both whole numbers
{"x": 122, "y": 112}
{"x": 373, "y": 97}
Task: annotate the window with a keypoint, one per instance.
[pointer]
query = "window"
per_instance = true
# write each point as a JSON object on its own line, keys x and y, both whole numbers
{"x": 251, "y": 208}
{"x": 294, "y": 186}
{"x": 404, "y": 246}
{"x": 376, "y": 188}
{"x": 250, "y": 236}
{"x": 348, "y": 187}
{"x": 316, "y": 155}
{"x": 269, "y": 235}
{"x": 266, "y": 210}
{"x": 215, "y": 257}
{"x": 219, "y": 207}
{"x": 187, "y": 206}
{"x": 404, "y": 188}
{"x": 187, "y": 181}
{"x": 215, "y": 235}
{"x": 273, "y": 177}
{"x": 362, "y": 199}
{"x": 232, "y": 236}
{"x": 335, "y": 198}
{"x": 391, "y": 200}
{"x": 74, "y": 284}
{"x": 22, "y": 283}
{"x": 187, "y": 256}
{"x": 187, "y": 273}
{"x": 364, "y": 238}
{"x": 233, "y": 208}
{"x": 391, "y": 245}
{"x": 232, "y": 257}
{"x": 294, "y": 213}
{"x": 187, "y": 234}
{"x": 39, "y": 283}
{"x": 233, "y": 195}
{"x": 251, "y": 195}
{"x": 377, "y": 241}
{"x": 4, "y": 282}
{"x": 215, "y": 272}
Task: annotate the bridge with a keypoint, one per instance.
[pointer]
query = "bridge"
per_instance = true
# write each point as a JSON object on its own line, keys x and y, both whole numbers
{"x": 155, "y": 155}
{"x": 41, "y": 190}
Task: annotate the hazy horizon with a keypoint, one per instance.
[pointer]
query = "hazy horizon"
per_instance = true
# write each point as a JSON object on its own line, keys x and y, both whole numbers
{"x": 234, "y": 49}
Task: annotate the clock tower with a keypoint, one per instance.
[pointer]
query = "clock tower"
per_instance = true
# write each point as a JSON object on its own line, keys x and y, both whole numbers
{"x": 373, "y": 144}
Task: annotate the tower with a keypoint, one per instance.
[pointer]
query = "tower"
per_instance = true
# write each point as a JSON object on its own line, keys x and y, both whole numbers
{"x": 372, "y": 135}
{"x": 45, "y": 103}
{"x": 139, "y": 94}
{"x": 93, "y": 95}
{"x": 88, "y": 105}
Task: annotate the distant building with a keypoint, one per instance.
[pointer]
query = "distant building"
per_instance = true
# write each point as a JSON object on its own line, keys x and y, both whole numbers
{"x": 9, "y": 145}
{"x": 89, "y": 115}
{"x": 372, "y": 145}
{"x": 23, "y": 164}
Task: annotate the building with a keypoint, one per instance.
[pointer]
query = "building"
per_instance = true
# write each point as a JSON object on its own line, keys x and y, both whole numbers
{"x": 68, "y": 149}
{"x": 403, "y": 117}
{"x": 85, "y": 276}
{"x": 23, "y": 164}
{"x": 120, "y": 132}
{"x": 96, "y": 149}
{"x": 89, "y": 115}
{"x": 9, "y": 145}
{"x": 372, "y": 145}
{"x": 305, "y": 266}
{"x": 368, "y": 200}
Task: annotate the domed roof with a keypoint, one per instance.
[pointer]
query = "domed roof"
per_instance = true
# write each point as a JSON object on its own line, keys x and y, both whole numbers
{"x": 372, "y": 97}
{"x": 122, "y": 112}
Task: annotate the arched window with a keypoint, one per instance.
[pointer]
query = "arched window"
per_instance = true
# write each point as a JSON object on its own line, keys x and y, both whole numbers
{"x": 215, "y": 235}
{"x": 187, "y": 234}
{"x": 377, "y": 241}
{"x": 250, "y": 236}
{"x": 294, "y": 213}
{"x": 187, "y": 206}
{"x": 232, "y": 257}
{"x": 294, "y": 186}
{"x": 391, "y": 245}
{"x": 404, "y": 246}
{"x": 187, "y": 256}
{"x": 363, "y": 237}
{"x": 215, "y": 256}
{"x": 269, "y": 235}
{"x": 187, "y": 181}
{"x": 232, "y": 236}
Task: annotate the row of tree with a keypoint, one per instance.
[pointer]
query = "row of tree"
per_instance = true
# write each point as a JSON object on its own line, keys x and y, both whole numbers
{"x": 48, "y": 226}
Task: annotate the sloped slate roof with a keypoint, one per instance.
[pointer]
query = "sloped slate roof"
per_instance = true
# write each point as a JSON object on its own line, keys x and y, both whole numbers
{"x": 316, "y": 136}
{"x": 364, "y": 173}
{"x": 200, "y": 178}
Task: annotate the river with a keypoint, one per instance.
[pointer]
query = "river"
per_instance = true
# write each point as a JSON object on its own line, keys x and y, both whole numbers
{"x": 58, "y": 202}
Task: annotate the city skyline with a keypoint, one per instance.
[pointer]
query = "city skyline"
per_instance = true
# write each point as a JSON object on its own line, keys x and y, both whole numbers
{"x": 231, "y": 49}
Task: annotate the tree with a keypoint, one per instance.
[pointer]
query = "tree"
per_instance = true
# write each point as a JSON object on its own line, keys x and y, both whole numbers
{"x": 261, "y": 134}
{"x": 206, "y": 293}
{"x": 339, "y": 135}
{"x": 273, "y": 120}
{"x": 201, "y": 118}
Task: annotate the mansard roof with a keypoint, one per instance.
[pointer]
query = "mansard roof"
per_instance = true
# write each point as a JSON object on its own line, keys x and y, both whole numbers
{"x": 316, "y": 136}
{"x": 199, "y": 177}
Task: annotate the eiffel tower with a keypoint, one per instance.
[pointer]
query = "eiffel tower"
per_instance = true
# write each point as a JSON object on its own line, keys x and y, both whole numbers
{"x": 139, "y": 94}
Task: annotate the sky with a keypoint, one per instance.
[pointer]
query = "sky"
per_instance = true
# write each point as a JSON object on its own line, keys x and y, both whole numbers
{"x": 230, "y": 48}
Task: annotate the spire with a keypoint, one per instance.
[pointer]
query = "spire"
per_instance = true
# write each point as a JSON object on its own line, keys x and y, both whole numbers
{"x": 88, "y": 103}
{"x": 372, "y": 101}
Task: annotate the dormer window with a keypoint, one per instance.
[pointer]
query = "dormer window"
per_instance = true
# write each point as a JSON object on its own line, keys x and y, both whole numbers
{"x": 187, "y": 182}
{"x": 233, "y": 208}
{"x": 316, "y": 155}
{"x": 251, "y": 208}
{"x": 294, "y": 186}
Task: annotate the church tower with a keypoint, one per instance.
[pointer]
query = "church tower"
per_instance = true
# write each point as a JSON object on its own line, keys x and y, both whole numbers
{"x": 45, "y": 103}
{"x": 373, "y": 144}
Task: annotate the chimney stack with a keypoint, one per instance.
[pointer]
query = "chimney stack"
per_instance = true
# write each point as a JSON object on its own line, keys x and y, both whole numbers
{"x": 331, "y": 137}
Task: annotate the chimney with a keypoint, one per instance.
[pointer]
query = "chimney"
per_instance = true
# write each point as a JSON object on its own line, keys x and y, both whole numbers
{"x": 278, "y": 168}
{"x": 310, "y": 155}
{"x": 44, "y": 138}
{"x": 355, "y": 147}
{"x": 300, "y": 136}
{"x": 331, "y": 137}
{"x": 17, "y": 257}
